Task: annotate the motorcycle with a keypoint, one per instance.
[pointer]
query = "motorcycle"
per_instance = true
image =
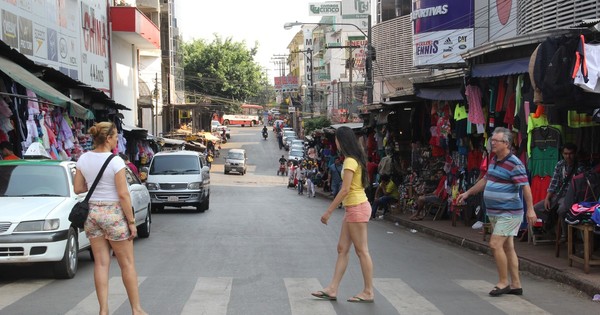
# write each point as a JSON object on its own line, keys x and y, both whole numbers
{"x": 282, "y": 170}
{"x": 265, "y": 135}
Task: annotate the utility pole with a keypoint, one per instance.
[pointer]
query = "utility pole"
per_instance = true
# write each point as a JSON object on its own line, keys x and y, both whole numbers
{"x": 155, "y": 107}
{"x": 350, "y": 64}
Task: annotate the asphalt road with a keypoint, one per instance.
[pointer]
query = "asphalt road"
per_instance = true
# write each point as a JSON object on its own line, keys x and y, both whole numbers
{"x": 261, "y": 249}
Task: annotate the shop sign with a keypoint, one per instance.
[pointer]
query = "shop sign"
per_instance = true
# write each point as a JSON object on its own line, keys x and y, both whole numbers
{"x": 94, "y": 45}
{"x": 443, "y": 30}
{"x": 325, "y": 8}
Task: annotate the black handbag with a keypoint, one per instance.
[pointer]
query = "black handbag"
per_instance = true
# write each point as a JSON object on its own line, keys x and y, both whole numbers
{"x": 80, "y": 210}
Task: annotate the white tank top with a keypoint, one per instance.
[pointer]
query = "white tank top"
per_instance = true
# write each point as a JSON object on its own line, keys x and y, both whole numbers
{"x": 90, "y": 164}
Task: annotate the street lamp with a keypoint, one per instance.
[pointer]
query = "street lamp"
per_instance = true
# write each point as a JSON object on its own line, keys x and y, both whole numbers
{"x": 370, "y": 51}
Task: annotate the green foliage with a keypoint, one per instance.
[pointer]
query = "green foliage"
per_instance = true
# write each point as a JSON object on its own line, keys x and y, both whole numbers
{"x": 311, "y": 124}
{"x": 225, "y": 72}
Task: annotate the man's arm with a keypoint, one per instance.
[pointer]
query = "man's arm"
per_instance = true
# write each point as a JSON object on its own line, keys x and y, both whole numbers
{"x": 531, "y": 216}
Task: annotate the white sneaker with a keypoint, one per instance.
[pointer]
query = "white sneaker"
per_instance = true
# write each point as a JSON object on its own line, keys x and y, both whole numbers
{"x": 478, "y": 225}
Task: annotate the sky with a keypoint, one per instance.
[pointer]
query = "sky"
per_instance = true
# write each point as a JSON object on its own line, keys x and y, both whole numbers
{"x": 243, "y": 20}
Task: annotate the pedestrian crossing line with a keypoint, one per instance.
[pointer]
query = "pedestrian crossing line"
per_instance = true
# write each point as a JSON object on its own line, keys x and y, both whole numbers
{"x": 510, "y": 304}
{"x": 116, "y": 297}
{"x": 210, "y": 297}
{"x": 404, "y": 299}
{"x": 301, "y": 302}
{"x": 15, "y": 291}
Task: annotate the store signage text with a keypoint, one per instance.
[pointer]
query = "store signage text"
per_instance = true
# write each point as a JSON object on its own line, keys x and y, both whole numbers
{"x": 428, "y": 12}
{"x": 94, "y": 32}
{"x": 427, "y": 47}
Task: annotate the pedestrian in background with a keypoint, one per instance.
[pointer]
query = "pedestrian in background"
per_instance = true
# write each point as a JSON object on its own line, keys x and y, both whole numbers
{"x": 131, "y": 166}
{"x": 335, "y": 176}
{"x": 386, "y": 194}
{"x": 356, "y": 218}
{"x": 506, "y": 178}
{"x": 111, "y": 221}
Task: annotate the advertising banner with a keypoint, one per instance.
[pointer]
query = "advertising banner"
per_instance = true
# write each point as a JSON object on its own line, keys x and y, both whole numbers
{"x": 503, "y": 20}
{"x": 67, "y": 35}
{"x": 442, "y": 30}
{"x": 356, "y": 12}
{"x": 329, "y": 8}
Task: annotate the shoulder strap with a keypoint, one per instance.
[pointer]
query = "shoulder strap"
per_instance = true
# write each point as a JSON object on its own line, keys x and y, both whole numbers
{"x": 91, "y": 190}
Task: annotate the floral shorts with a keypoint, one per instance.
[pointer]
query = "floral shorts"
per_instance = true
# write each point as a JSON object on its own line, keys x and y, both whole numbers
{"x": 358, "y": 213}
{"x": 106, "y": 219}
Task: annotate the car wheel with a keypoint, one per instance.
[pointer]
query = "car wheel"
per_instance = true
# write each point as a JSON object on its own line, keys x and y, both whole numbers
{"x": 67, "y": 267}
{"x": 144, "y": 228}
{"x": 205, "y": 204}
{"x": 226, "y": 172}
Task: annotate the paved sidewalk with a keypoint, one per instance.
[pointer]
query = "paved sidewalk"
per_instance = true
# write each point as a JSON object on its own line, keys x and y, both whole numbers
{"x": 538, "y": 260}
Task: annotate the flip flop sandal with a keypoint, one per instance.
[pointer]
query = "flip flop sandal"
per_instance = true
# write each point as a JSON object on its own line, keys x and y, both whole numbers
{"x": 324, "y": 295}
{"x": 356, "y": 299}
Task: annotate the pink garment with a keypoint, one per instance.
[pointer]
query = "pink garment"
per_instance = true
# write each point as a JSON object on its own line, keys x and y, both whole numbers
{"x": 473, "y": 93}
{"x": 32, "y": 103}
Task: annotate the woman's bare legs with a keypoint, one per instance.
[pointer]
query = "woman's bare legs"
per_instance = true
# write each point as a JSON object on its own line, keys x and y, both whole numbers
{"x": 101, "y": 251}
{"x": 358, "y": 235}
{"x": 343, "y": 248}
{"x": 124, "y": 252}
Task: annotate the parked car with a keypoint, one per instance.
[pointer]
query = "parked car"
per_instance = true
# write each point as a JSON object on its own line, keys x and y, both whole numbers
{"x": 37, "y": 197}
{"x": 276, "y": 123}
{"x": 297, "y": 144}
{"x": 296, "y": 155}
{"x": 214, "y": 124}
{"x": 235, "y": 161}
{"x": 178, "y": 179}
{"x": 288, "y": 133}
{"x": 288, "y": 142}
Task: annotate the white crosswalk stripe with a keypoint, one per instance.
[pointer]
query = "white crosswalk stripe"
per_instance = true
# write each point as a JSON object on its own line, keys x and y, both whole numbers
{"x": 116, "y": 297}
{"x": 510, "y": 304}
{"x": 301, "y": 302}
{"x": 404, "y": 299}
{"x": 15, "y": 291}
{"x": 210, "y": 296}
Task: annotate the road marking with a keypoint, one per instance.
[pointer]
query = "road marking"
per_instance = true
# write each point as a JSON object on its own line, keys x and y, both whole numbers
{"x": 510, "y": 304}
{"x": 210, "y": 296}
{"x": 404, "y": 299}
{"x": 301, "y": 302}
{"x": 15, "y": 291}
{"x": 116, "y": 297}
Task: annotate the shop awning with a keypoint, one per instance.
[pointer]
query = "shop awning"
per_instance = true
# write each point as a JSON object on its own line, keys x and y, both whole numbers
{"x": 440, "y": 94}
{"x": 498, "y": 69}
{"x": 349, "y": 125}
{"x": 41, "y": 88}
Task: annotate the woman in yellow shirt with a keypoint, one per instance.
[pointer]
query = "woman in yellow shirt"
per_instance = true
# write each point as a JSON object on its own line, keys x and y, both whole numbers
{"x": 354, "y": 226}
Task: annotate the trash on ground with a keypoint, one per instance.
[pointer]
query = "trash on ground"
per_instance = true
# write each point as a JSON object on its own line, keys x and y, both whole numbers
{"x": 413, "y": 231}
{"x": 596, "y": 297}
{"x": 396, "y": 224}
{"x": 390, "y": 232}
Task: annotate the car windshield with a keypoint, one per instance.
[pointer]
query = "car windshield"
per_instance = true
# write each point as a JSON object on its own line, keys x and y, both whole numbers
{"x": 33, "y": 181}
{"x": 296, "y": 153}
{"x": 235, "y": 156}
{"x": 175, "y": 164}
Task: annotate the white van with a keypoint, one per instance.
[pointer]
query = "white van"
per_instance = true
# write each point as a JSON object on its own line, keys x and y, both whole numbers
{"x": 235, "y": 161}
{"x": 179, "y": 178}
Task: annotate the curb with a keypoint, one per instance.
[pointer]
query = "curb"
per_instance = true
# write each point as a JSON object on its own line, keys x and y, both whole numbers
{"x": 531, "y": 266}
{"x": 535, "y": 268}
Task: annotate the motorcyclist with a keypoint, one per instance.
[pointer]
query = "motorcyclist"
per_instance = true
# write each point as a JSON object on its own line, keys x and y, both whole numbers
{"x": 282, "y": 166}
{"x": 282, "y": 160}
{"x": 265, "y": 132}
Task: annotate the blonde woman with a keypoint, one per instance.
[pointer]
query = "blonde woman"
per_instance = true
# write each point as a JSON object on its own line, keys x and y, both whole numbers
{"x": 111, "y": 222}
{"x": 354, "y": 226}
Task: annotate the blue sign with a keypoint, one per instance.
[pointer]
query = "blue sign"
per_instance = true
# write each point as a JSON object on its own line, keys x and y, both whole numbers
{"x": 439, "y": 15}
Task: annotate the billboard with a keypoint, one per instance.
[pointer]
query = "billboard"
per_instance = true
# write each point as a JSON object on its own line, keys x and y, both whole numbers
{"x": 356, "y": 12}
{"x": 442, "y": 30}
{"x": 329, "y": 8}
{"x": 67, "y": 35}
{"x": 503, "y": 20}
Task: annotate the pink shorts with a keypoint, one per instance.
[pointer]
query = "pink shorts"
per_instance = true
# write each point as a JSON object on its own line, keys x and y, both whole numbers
{"x": 358, "y": 213}
{"x": 106, "y": 219}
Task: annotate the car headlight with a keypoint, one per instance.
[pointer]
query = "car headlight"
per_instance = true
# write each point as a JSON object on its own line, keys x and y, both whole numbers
{"x": 38, "y": 226}
{"x": 152, "y": 186}
{"x": 227, "y": 163}
{"x": 194, "y": 186}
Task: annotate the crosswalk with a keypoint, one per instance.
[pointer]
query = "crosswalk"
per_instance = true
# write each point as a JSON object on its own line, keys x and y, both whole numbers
{"x": 212, "y": 296}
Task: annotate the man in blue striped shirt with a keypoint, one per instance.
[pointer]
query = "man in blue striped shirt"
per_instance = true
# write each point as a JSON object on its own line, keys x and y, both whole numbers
{"x": 505, "y": 179}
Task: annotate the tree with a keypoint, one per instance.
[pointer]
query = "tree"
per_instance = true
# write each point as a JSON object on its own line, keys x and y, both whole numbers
{"x": 224, "y": 71}
{"x": 311, "y": 124}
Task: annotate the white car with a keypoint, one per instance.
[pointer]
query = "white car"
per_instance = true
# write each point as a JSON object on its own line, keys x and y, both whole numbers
{"x": 214, "y": 124}
{"x": 296, "y": 155}
{"x": 37, "y": 197}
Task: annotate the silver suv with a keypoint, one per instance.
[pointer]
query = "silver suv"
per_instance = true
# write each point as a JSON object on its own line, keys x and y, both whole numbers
{"x": 235, "y": 161}
{"x": 179, "y": 178}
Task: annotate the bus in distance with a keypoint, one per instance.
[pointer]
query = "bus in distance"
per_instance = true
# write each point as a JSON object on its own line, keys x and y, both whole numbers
{"x": 248, "y": 117}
